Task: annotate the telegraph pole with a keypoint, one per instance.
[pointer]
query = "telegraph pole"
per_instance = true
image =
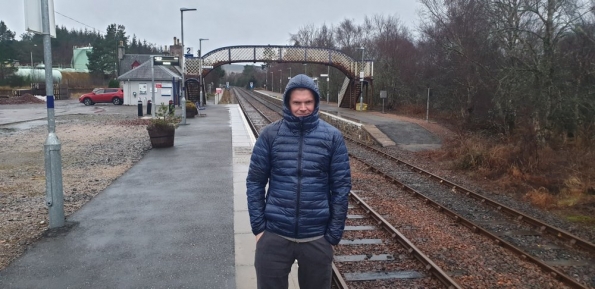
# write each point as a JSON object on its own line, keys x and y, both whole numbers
{"x": 52, "y": 147}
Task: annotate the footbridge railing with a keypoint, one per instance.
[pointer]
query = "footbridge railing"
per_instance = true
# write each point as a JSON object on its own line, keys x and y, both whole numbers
{"x": 281, "y": 54}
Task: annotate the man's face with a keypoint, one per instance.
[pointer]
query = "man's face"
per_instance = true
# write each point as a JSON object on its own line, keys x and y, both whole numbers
{"x": 301, "y": 102}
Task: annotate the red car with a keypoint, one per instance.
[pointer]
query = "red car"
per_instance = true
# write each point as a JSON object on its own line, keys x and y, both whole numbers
{"x": 113, "y": 95}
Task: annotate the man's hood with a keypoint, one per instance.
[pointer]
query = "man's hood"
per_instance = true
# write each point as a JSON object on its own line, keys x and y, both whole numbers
{"x": 301, "y": 81}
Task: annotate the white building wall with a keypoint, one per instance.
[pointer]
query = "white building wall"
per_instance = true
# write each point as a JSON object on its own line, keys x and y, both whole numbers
{"x": 134, "y": 86}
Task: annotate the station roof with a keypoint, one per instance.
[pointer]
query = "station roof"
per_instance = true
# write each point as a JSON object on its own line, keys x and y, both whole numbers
{"x": 143, "y": 72}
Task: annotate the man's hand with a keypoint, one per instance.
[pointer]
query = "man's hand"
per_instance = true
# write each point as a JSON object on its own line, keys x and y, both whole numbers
{"x": 258, "y": 236}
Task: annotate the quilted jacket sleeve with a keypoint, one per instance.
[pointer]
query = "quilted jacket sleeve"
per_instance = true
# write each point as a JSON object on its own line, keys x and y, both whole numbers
{"x": 340, "y": 185}
{"x": 258, "y": 177}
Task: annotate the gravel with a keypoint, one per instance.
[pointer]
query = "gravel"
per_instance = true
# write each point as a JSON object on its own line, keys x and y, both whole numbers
{"x": 473, "y": 260}
{"x": 517, "y": 233}
{"x": 96, "y": 150}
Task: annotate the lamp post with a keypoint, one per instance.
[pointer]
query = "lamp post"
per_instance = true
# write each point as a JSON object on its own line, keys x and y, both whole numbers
{"x": 32, "y": 68}
{"x": 280, "y": 79}
{"x": 328, "y": 80}
{"x": 361, "y": 79}
{"x": 306, "y": 68}
{"x": 272, "y": 82}
{"x": 289, "y": 72}
{"x": 182, "y": 64}
{"x": 327, "y": 76}
{"x": 202, "y": 100}
{"x": 53, "y": 159}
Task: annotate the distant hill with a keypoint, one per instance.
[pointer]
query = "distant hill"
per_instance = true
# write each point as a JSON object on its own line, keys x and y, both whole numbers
{"x": 233, "y": 68}
{"x": 236, "y": 68}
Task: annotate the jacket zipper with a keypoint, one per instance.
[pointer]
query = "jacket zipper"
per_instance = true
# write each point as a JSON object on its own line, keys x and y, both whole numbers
{"x": 299, "y": 186}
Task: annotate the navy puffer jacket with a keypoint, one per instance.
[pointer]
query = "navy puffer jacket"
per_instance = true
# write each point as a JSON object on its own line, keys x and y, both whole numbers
{"x": 305, "y": 163}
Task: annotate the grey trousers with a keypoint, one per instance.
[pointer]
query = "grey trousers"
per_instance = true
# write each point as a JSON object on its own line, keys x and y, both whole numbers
{"x": 275, "y": 255}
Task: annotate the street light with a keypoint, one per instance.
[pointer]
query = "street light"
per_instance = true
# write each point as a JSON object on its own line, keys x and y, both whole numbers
{"x": 280, "y": 79}
{"x": 361, "y": 79}
{"x": 202, "y": 101}
{"x": 289, "y": 72}
{"x": 32, "y": 68}
{"x": 328, "y": 78}
{"x": 306, "y": 68}
{"x": 272, "y": 82}
{"x": 182, "y": 63}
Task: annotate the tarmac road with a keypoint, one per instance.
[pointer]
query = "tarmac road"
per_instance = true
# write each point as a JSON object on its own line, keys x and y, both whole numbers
{"x": 13, "y": 114}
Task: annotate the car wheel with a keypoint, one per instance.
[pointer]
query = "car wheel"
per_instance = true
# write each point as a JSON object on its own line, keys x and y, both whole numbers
{"x": 88, "y": 101}
{"x": 116, "y": 101}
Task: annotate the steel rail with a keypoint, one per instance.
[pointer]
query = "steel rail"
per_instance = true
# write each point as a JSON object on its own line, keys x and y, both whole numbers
{"x": 434, "y": 269}
{"x": 572, "y": 240}
{"x": 337, "y": 278}
{"x": 478, "y": 229}
{"x": 258, "y": 110}
{"x": 250, "y": 123}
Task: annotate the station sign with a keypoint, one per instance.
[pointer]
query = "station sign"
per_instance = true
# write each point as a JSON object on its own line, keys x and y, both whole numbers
{"x": 166, "y": 60}
{"x": 189, "y": 52}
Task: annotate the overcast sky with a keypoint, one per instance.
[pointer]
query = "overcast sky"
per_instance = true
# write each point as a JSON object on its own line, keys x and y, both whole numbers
{"x": 224, "y": 22}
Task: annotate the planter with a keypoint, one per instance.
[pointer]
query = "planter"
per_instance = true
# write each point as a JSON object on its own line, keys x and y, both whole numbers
{"x": 190, "y": 113}
{"x": 162, "y": 137}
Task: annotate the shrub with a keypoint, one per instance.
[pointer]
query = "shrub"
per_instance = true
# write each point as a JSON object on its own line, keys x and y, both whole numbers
{"x": 114, "y": 83}
{"x": 165, "y": 118}
{"x": 190, "y": 106}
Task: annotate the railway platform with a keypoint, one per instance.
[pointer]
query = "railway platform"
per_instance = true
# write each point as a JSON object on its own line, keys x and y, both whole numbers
{"x": 385, "y": 128}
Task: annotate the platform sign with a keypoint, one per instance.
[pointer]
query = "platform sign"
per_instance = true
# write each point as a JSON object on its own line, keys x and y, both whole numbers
{"x": 251, "y": 85}
{"x": 227, "y": 85}
{"x": 166, "y": 60}
{"x": 383, "y": 96}
{"x": 142, "y": 88}
{"x": 189, "y": 52}
{"x": 33, "y": 21}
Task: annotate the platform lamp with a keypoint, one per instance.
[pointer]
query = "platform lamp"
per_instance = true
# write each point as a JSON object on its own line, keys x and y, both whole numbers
{"x": 182, "y": 65}
{"x": 361, "y": 79}
{"x": 280, "y": 79}
{"x": 32, "y": 68}
{"x": 272, "y": 82}
{"x": 202, "y": 100}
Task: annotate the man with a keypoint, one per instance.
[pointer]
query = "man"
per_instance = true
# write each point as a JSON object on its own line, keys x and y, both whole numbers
{"x": 305, "y": 163}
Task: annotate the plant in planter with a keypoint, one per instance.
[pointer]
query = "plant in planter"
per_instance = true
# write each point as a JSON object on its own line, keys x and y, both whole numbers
{"x": 162, "y": 129}
{"x": 190, "y": 110}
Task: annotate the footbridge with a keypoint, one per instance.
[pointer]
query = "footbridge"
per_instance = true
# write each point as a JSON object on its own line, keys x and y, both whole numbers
{"x": 290, "y": 54}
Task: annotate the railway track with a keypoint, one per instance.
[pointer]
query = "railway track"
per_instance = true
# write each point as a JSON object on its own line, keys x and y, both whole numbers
{"x": 563, "y": 255}
{"x": 557, "y": 252}
{"x": 370, "y": 242}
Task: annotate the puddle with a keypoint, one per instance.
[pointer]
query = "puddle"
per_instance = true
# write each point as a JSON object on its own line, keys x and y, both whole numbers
{"x": 9, "y": 128}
